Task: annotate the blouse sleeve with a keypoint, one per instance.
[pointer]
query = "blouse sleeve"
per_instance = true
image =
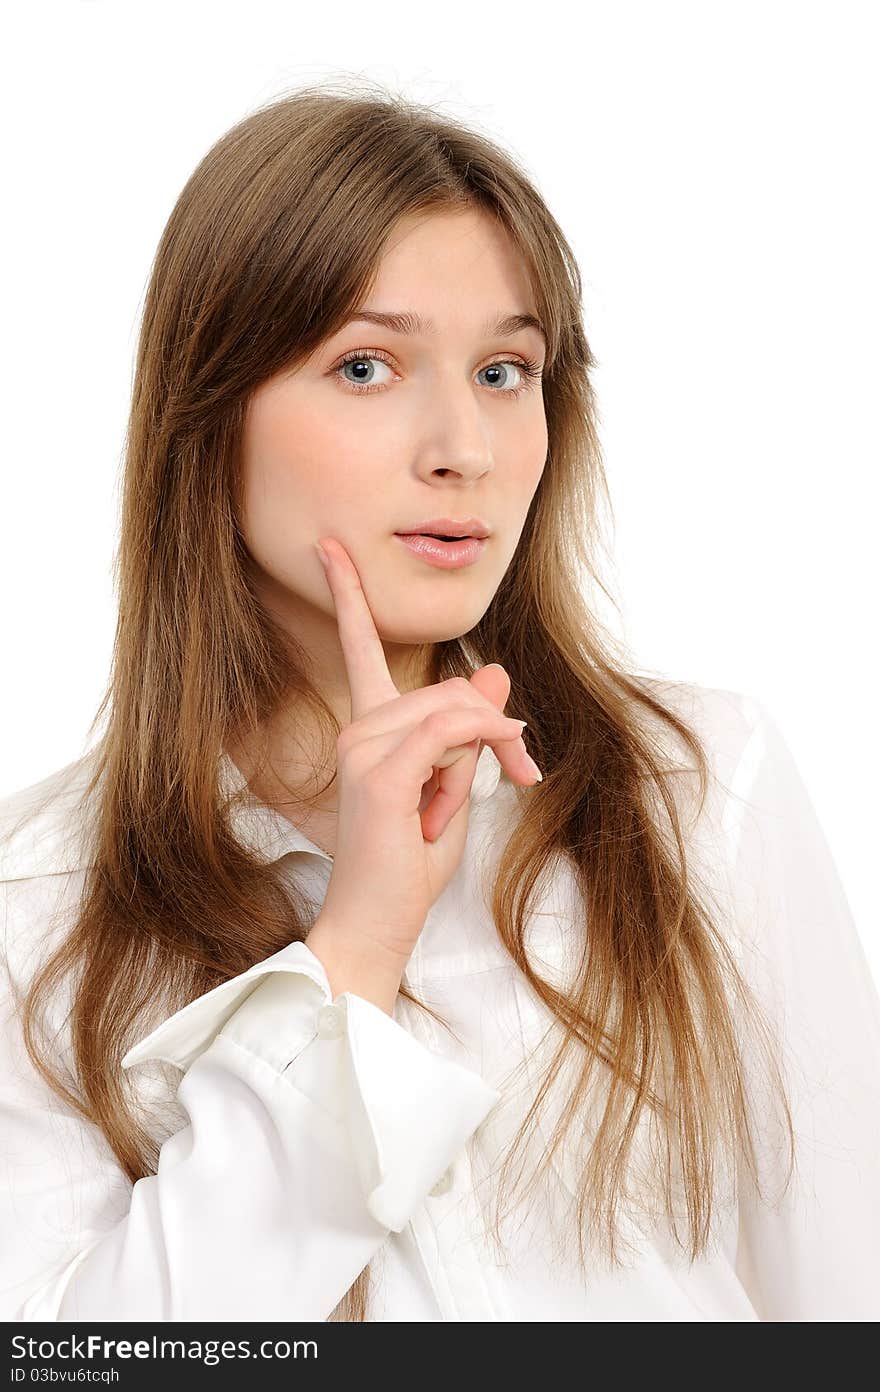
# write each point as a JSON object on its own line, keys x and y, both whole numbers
{"x": 315, "y": 1128}
{"x": 813, "y": 1255}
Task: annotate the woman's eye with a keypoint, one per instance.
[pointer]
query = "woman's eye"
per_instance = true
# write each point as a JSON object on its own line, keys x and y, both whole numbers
{"x": 364, "y": 375}
{"x": 509, "y": 377}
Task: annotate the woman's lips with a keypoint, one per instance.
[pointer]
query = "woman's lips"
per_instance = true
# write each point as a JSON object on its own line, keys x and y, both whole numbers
{"x": 446, "y": 555}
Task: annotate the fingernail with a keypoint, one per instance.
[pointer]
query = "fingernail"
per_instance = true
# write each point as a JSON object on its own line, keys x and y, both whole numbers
{"x": 325, "y": 559}
{"x": 535, "y": 770}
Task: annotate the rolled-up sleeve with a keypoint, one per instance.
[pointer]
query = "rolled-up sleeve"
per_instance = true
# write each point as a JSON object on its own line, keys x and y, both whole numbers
{"x": 813, "y": 1254}
{"x": 315, "y": 1128}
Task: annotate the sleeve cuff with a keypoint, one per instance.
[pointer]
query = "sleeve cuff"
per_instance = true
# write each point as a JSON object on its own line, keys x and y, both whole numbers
{"x": 410, "y": 1110}
{"x": 186, "y": 1034}
{"x": 406, "y": 1110}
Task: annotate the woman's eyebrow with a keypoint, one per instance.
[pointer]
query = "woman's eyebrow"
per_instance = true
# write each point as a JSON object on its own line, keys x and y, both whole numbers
{"x": 406, "y": 323}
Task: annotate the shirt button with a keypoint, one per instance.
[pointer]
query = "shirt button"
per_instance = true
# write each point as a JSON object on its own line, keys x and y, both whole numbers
{"x": 331, "y": 1021}
{"x": 444, "y": 1183}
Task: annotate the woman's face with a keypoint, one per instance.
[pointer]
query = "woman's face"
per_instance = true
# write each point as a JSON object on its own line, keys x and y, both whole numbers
{"x": 436, "y": 435}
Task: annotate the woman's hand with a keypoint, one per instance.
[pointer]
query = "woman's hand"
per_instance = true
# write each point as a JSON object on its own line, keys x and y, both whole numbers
{"x": 405, "y": 766}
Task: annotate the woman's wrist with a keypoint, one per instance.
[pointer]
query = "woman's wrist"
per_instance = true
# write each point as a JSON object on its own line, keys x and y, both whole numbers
{"x": 353, "y": 963}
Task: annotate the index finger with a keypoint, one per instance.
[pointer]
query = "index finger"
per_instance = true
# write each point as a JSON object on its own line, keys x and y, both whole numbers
{"x": 369, "y": 679}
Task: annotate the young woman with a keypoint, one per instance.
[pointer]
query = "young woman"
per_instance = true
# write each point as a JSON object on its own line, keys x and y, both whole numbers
{"x": 321, "y": 1002}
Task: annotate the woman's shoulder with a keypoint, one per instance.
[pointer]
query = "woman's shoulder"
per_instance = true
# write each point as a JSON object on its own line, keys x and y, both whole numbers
{"x": 724, "y": 720}
{"x": 727, "y": 823}
{"x": 44, "y": 852}
{"x": 44, "y": 827}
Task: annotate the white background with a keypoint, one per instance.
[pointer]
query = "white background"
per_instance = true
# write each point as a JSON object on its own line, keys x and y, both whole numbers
{"x": 713, "y": 166}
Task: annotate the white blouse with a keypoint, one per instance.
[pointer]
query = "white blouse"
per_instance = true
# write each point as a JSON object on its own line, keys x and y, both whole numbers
{"x": 303, "y": 1136}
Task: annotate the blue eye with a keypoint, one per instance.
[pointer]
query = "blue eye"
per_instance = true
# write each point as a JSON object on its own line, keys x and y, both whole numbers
{"x": 360, "y": 358}
{"x": 530, "y": 371}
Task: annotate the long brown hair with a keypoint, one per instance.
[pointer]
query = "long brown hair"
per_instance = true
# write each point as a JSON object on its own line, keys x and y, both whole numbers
{"x": 273, "y": 241}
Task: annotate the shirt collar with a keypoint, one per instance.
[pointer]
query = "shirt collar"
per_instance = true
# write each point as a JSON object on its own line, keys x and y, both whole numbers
{"x": 269, "y": 835}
